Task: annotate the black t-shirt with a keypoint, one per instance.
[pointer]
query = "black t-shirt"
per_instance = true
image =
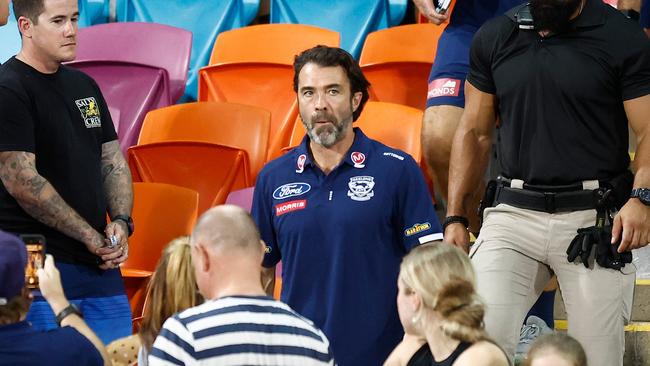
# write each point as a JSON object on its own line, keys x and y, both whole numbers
{"x": 560, "y": 98}
{"x": 63, "y": 119}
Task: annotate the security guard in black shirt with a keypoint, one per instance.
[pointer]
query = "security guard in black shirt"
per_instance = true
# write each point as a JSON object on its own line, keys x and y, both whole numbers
{"x": 565, "y": 77}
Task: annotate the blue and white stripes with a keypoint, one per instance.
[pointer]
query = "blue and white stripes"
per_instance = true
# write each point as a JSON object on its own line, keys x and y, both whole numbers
{"x": 240, "y": 331}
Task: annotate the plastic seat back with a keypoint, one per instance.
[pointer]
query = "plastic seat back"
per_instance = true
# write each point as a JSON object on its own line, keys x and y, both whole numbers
{"x": 269, "y": 43}
{"x": 154, "y": 203}
{"x": 397, "y": 62}
{"x": 353, "y": 19}
{"x": 135, "y": 69}
{"x": 242, "y": 198}
{"x": 235, "y": 125}
{"x": 204, "y": 18}
{"x": 395, "y": 125}
{"x": 254, "y": 66}
{"x": 140, "y": 43}
{"x": 210, "y": 169}
{"x": 130, "y": 91}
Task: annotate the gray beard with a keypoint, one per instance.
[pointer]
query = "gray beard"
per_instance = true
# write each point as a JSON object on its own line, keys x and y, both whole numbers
{"x": 328, "y": 136}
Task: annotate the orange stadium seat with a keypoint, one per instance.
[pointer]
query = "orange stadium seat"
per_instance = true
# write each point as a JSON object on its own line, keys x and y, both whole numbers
{"x": 153, "y": 204}
{"x": 397, "y": 62}
{"x": 212, "y": 170}
{"x": 254, "y": 66}
{"x": 395, "y": 125}
{"x": 229, "y": 124}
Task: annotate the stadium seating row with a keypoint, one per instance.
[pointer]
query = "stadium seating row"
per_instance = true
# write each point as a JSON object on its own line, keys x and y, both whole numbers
{"x": 206, "y": 19}
{"x": 138, "y": 72}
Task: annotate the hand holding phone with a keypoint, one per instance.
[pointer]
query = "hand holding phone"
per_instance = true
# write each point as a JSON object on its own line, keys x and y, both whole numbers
{"x": 50, "y": 280}
{"x": 442, "y": 6}
{"x": 429, "y": 9}
{"x": 35, "y": 258}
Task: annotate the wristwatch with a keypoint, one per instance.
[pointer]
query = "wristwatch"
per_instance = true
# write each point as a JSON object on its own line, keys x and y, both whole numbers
{"x": 643, "y": 194}
{"x": 455, "y": 219}
{"x": 70, "y": 309}
{"x": 127, "y": 220}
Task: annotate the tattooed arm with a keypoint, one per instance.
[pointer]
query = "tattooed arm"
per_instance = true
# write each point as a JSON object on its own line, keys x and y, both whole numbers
{"x": 41, "y": 201}
{"x": 117, "y": 180}
{"x": 118, "y": 192}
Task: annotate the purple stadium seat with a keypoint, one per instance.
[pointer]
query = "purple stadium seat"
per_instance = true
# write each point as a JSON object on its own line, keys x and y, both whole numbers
{"x": 135, "y": 68}
{"x": 242, "y": 198}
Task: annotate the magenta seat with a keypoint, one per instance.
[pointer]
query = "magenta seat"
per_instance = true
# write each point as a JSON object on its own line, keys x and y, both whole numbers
{"x": 137, "y": 69}
{"x": 242, "y": 198}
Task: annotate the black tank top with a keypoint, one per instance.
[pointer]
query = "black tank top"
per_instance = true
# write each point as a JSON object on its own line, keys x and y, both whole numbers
{"x": 423, "y": 356}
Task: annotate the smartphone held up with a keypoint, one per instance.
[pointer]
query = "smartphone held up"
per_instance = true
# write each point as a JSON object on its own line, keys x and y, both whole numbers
{"x": 442, "y": 6}
{"x": 35, "y": 257}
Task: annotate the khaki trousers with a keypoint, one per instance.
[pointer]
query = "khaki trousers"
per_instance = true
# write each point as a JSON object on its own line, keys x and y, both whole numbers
{"x": 514, "y": 257}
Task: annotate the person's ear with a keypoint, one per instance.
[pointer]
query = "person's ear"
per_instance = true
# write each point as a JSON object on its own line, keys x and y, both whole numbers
{"x": 204, "y": 258}
{"x": 25, "y": 26}
{"x": 416, "y": 302}
{"x": 263, "y": 250}
{"x": 356, "y": 100}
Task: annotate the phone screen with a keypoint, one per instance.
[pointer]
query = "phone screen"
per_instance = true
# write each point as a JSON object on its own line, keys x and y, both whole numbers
{"x": 35, "y": 258}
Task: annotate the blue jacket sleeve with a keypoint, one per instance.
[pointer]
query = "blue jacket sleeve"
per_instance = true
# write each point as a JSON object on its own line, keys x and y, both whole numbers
{"x": 416, "y": 212}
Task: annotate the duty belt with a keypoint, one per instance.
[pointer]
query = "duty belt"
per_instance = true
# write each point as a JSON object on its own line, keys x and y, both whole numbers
{"x": 549, "y": 199}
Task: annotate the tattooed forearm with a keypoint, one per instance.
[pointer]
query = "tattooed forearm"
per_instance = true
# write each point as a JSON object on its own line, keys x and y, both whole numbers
{"x": 39, "y": 198}
{"x": 117, "y": 180}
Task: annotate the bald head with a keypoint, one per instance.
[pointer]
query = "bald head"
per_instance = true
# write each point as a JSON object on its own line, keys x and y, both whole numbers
{"x": 226, "y": 227}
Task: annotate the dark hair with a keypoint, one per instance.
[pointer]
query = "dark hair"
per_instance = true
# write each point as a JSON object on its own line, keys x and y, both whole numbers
{"x": 30, "y": 9}
{"x": 333, "y": 56}
{"x": 15, "y": 308}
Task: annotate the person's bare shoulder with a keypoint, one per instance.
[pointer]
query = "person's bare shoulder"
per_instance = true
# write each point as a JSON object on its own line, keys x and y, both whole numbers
{"x": 482, "y": 353}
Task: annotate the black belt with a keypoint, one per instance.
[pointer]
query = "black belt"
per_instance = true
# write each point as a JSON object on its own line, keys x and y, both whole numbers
{"x": 550, "y": 202}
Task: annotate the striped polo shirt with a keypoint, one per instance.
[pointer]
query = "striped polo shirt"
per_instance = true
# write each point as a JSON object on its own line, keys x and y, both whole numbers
{"x": 240, "y": 330}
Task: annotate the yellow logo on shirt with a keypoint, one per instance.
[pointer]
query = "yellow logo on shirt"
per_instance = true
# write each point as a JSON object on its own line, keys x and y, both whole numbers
{"x": 417, "y": 228}
{"x": 89, "y": 112}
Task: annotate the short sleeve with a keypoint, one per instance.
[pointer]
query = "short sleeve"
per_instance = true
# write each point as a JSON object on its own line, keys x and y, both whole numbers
{"x": 635, "y": 73}
{"x": 416, "y": 215}
{"x": 480, "y": 61}
{"x": 173, "y": 345}
{"x": 263, "y": 217}
{"x": 16, "y": 122}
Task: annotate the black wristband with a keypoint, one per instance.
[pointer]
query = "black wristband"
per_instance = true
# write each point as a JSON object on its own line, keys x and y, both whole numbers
{"x": 455, "y": 219}
{"x": 127, "y": 220}
{"x": 70, "y": 309}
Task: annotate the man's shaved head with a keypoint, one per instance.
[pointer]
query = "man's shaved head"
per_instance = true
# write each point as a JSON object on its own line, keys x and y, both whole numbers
{"x": 226, "y": 227}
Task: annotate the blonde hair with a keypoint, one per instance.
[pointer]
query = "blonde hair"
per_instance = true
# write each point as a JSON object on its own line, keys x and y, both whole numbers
{"x": 442, "y": 275}
{"x": 560, "y": 344}
{"x": 172, "y": 289}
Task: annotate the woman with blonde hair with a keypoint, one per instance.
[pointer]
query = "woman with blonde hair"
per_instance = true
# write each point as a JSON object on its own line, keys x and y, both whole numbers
{"x": 437, "y": 302}
{"x": 172, "y": 289}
